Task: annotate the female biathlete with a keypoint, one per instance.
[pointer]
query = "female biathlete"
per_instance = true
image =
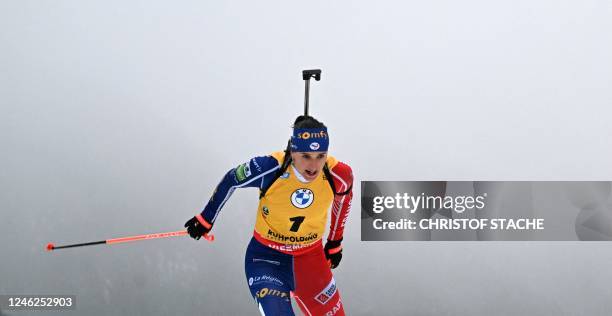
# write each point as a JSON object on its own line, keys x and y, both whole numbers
{"x": 285, "y": 257}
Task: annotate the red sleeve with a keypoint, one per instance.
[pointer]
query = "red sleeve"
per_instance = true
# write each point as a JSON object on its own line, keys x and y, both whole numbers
{"x": 343, "y": 181}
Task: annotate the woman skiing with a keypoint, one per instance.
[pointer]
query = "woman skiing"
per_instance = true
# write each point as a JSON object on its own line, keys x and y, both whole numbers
{"x": 285, "y": 257}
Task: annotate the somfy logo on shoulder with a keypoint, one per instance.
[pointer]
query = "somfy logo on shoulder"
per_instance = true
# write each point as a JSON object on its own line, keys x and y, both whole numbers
{"x": 302, "y": 198}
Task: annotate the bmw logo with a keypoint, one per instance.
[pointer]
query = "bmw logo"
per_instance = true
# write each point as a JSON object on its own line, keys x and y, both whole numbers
{"x": 302, "y": 198}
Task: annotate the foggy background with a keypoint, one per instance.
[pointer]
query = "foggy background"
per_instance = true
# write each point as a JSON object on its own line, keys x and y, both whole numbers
{"x": 120, "y": 117}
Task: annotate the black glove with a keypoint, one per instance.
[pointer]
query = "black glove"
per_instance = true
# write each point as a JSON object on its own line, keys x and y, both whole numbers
{"x": 333, "y": 252}
{"x": 198, "y": 227}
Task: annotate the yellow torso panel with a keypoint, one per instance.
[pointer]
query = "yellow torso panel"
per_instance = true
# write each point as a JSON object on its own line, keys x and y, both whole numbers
{"x": 293, "y": 212}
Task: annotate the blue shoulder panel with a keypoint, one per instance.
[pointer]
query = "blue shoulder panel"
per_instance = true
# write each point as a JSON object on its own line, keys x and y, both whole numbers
{"x": 257, "y": 172}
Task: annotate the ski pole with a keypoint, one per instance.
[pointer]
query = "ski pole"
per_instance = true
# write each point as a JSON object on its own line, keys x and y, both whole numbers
{"x": 306, "y": 75}
{"x": 51, "y": 246}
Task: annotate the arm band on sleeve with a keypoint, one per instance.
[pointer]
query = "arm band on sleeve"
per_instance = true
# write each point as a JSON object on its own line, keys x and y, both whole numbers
{"x": 203, "y": 221}
{"x": 335, "y": 250}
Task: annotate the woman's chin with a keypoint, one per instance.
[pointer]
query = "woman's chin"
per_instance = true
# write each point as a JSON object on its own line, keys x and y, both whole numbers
{"x": 310, "y": 177}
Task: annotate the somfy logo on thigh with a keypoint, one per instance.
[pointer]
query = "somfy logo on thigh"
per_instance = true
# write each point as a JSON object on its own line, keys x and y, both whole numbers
{"x": 302, "y": 198}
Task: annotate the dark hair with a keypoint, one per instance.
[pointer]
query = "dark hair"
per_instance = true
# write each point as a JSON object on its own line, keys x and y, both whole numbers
{"x": 304, "y": 121}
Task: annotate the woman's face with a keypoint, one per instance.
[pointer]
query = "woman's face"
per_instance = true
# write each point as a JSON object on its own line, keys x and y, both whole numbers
{"x": 309, "y": 164}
